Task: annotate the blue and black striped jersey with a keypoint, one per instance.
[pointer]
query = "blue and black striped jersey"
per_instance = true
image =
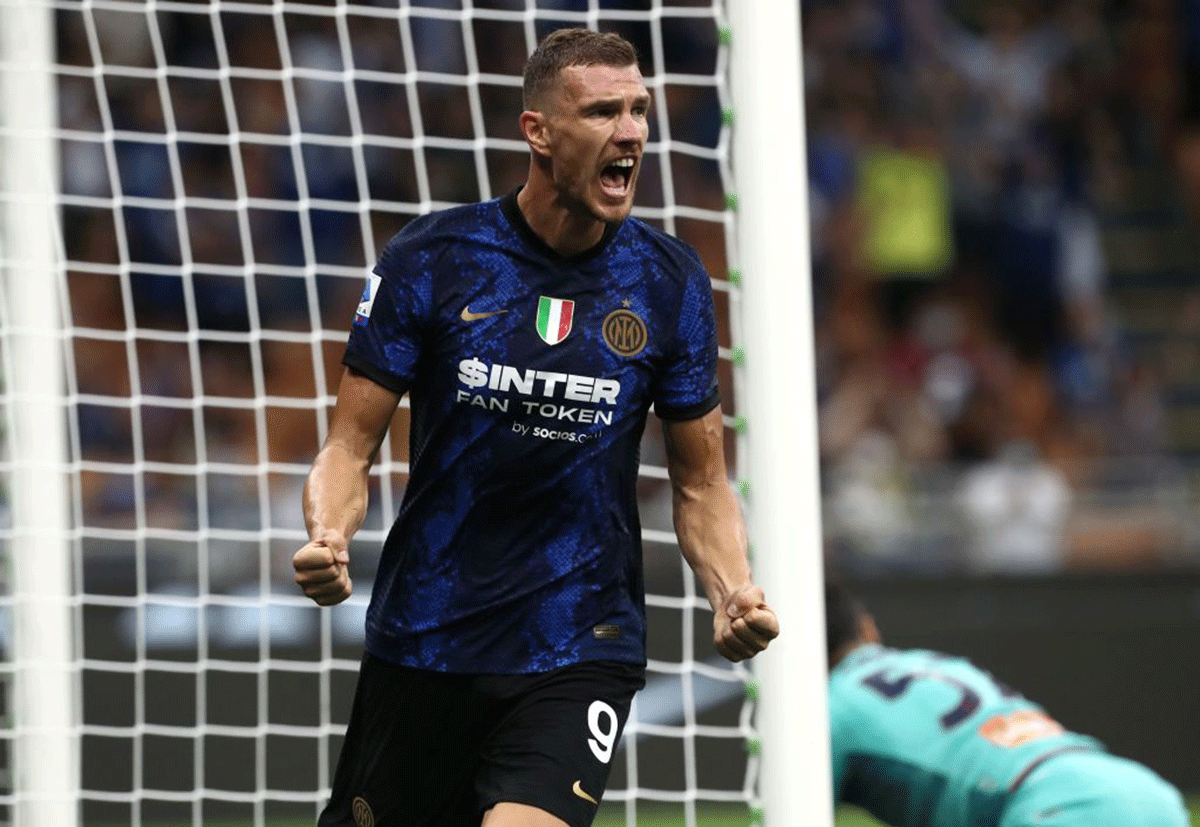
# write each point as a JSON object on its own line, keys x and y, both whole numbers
{"x": 517, "y": 547}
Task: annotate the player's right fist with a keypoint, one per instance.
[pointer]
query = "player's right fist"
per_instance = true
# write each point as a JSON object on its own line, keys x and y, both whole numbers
{"x": 322, "y": 569}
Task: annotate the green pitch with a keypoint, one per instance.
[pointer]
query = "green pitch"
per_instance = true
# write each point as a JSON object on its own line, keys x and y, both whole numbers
{"x": 658, "y": 815}
{"x": 736, "y": 815}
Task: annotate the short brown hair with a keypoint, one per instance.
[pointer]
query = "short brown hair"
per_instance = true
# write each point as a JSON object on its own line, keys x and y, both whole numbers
{"x": 571, "y": 47}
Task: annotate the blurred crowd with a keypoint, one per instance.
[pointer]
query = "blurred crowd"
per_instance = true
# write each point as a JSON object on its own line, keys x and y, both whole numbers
{"x": 983, "y": 404}
{"x": 966, "y": 160}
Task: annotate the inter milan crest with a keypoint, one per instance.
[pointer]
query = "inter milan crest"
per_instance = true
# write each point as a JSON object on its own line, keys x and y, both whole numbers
{"x": 361, "y": 810}
{"x": 554, "y": 319}
{"x": 624, "y": 332}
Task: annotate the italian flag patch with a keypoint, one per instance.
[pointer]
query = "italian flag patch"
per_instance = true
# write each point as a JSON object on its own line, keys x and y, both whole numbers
{"x": 554, "y": 319}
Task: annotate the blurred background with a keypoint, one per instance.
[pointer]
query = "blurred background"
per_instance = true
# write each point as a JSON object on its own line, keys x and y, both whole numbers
{"x": 1004, "y": 205}
{"x": 1004, "y": 202}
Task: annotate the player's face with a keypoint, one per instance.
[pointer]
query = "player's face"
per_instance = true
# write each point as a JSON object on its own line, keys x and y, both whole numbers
{"x": 597, "y": 133}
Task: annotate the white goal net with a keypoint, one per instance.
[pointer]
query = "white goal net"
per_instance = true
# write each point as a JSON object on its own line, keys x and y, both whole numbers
{"x": 225, "y": 173}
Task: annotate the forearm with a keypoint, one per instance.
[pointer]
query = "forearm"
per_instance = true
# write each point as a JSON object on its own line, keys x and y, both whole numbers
{"x": 335, "y": 493}
{"x": 712, "y": 537}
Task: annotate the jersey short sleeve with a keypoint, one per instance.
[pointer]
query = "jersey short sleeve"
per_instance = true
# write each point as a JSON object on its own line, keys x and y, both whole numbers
{"x": 687, "y": 387}
{"x": 388, "y": 329}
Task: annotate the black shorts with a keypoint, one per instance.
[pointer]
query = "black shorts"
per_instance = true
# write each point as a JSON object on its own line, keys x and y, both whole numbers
{"x": 429, "y": 749}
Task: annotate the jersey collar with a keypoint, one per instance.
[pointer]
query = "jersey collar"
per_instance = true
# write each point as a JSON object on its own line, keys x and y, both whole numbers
{"x": 860, "y": 654}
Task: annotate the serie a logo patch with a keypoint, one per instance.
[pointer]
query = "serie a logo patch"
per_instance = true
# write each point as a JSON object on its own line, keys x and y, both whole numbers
{"x": 367, "y": 301}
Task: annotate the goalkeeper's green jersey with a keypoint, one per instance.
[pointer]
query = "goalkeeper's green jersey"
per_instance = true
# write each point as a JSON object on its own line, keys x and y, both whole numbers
{"x": 922, "y": 738}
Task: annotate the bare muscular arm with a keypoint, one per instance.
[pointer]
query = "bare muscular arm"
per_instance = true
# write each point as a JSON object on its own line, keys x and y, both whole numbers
{"x": 712, "y": 536}
{"x": 335, "y": 493}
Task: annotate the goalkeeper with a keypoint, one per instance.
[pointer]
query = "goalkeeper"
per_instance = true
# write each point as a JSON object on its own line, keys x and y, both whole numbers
{"x": 921, "y": 738}
{"x": 505, "y": 636}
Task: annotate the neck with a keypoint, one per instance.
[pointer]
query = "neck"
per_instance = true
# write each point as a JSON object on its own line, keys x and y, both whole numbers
{"x": 846, "y": 650}
{"x": 565, "y": 230}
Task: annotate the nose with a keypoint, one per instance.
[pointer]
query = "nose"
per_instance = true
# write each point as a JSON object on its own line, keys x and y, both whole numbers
{"x": 629, "y": 129}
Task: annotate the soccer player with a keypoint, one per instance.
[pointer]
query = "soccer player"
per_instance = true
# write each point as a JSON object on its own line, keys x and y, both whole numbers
{"x": 922, "y": 738}
{"x": 506, "y": 629}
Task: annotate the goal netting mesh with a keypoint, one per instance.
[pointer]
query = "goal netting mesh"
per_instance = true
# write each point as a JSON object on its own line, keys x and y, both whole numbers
{"x": 226, "y": 173}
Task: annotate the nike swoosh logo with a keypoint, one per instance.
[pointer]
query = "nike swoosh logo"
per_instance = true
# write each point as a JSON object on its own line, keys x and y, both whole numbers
{"x": 468, "y": 316}
{"x": 578, "y": 790}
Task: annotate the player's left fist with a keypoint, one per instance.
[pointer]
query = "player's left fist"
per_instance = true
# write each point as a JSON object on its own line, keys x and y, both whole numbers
{"x": 745, "y": 625}
{"x": 323, "y": 569}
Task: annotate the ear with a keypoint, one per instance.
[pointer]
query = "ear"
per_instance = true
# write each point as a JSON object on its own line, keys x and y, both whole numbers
{"x": 534, "y": 127}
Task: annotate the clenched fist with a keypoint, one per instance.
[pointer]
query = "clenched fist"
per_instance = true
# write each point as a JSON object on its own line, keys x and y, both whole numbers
{"x": 745, "y": 625}
{"x": 322, "y": 569}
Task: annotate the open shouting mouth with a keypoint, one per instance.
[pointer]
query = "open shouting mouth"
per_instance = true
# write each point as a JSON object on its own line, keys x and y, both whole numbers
{"x": 615, "y": 178}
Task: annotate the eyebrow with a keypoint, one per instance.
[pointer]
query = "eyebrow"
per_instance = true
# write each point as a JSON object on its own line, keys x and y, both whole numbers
{"x": 643, "y": 98}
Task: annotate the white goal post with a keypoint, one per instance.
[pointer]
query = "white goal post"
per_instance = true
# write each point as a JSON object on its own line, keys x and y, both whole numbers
{"x": 779, "y": 389}
{"x": 40, "y": 674}
{"x": 192, "y": 194}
